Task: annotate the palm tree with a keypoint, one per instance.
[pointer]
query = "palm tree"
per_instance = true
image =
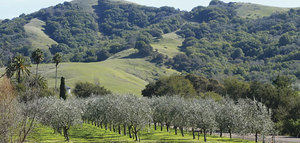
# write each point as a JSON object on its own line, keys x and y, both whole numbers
{"x": 57, "y": 59}
{"x": 38, "y": 57}
{"x": 17, "y": 65}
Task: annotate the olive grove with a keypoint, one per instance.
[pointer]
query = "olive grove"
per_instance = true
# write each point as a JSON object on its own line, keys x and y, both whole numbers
{"x": 129, "y": 115}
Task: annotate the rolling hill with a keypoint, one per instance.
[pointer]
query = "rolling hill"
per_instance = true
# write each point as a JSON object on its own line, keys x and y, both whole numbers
{"x": 35, "y": 34}
{"x": 249, "y": 10}
{"x": 119, "y": 74}
{"x": 249, "y": 41}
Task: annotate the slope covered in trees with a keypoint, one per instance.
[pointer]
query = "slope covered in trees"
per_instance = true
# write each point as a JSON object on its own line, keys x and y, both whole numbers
{"x": 218, "y": 39}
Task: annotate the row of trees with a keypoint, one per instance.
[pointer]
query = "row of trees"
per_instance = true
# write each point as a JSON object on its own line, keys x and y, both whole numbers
{"x": 278, "y": 95}
{"x": 126, "y": 112}
{"x": 132, "y": 114}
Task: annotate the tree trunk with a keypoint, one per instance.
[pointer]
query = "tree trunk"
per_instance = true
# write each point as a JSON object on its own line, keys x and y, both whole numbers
{"x": 175, "y": 130}
{"x": 66, "y": 134}
{"x": 124, "y": 129}
{"x": 110, "y": 126}
{"x": 155, "y": 126}
{"x": 221, "y": 133}
{"x": 37, "y": 69}
{"x": 105, "y": 126}
{"x": 181, "y": 130}
{"x": 198, "y": 135}
{"x": 167, "y": 127}
{"x": 136, "y": 135}
{"x": 230, "y": 135}
{"x": 204, "y": 131}
{"x": 210, "y": 133}
{"x": 19, "y": 76}
{"x": 193, "y": 130}
{"x": 256, "y": 137}
{"x": 55, "y": 77}
{"x": 161, "y": 126}
{"x": 119, "y": 128}
{"x": 129, "y": 131}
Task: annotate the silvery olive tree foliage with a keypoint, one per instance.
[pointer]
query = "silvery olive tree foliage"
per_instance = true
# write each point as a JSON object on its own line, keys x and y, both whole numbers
{"x": 255, "y": 118}
{"x": 227, "y": 116}
{"x": 29, "y": 116}
{"x": 207, "y": 115}
{"x": 60, "y": 114}
{"x": 128, "y": 111}
{"x": 204, "y": 115}
{"x": 131, "y": 114}
{"x": 160, "y": 106}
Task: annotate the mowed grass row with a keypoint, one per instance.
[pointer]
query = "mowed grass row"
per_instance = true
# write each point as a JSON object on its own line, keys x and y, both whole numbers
{"x": 89, "y": 133}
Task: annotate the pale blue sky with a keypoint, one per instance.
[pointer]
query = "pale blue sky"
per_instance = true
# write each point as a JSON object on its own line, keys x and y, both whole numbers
{"x": 13, "y": 8}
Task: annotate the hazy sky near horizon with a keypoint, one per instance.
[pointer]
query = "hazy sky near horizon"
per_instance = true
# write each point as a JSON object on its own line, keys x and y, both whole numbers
{"x": 13, "y": 8}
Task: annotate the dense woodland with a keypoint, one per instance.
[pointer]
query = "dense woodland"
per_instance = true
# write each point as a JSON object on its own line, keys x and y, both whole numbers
{"x": 217, "y": 41}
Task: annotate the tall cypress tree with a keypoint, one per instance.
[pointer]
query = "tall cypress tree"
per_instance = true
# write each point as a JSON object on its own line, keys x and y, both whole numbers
{"x": 62, "y": 93}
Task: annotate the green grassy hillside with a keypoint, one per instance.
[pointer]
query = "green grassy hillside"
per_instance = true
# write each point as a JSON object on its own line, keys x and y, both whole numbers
{"x": 248, "y": 10}
{"x": 88, "y": 133}
{"x": 169, "y": 44}
{"x": 36, "y": 35}
{"x": 121, "y": 75}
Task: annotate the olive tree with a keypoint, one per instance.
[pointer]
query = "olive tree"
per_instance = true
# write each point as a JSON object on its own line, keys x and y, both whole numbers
{"x": 31, "y": 113}
{"x": 140, "y": 113}
{"x": 227, "y": 116}
{"x": 204, "y": 115}
{"x": 178, "y": 113}
{"x": 256, "y": 118}
{"x": 162, "y": 109}
{"x": 61, "y": 114}
{"x": 115, "y": 110}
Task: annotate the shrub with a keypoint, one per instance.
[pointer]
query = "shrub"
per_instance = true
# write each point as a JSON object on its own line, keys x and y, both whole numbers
{"x": 173, "y": 85}
{"x": 86, "y": 89}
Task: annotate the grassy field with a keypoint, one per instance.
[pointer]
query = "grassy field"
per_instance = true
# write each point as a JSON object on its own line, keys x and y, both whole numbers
{"x": 88, "y": 133}
{"x": 121, "y": 75}
{"x": 169, "y": 44}
{"x": 248, "y": 10}
{"x": 37, "y": 37}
